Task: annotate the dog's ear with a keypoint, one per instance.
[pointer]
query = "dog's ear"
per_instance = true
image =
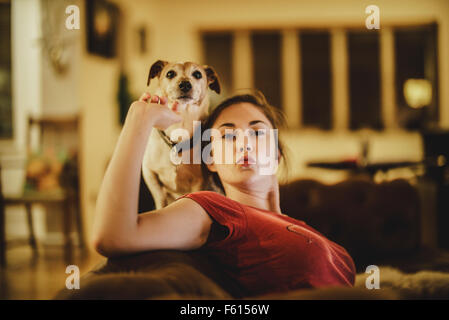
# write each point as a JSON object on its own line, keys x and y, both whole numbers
{"x": 156, "y": 70}
{"x": 212, "y": 79}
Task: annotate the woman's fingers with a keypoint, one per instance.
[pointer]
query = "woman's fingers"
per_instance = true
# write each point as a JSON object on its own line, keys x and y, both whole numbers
{"x": 163, "y": 100}
{"x": 164, "y": 116}
{"x": 144, "y": 97}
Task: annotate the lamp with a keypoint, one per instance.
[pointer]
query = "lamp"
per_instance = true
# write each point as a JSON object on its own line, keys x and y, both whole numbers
{"x": 102, "y": 22}
{"x": 418, "y": 93}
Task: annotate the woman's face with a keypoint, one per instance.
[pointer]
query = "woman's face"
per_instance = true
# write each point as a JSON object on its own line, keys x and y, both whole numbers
{"x": 244, "y": 146}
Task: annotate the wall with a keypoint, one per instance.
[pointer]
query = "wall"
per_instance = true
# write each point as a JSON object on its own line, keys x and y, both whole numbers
{"x": 38, "y": 90}
{"x": 26, "y": 98}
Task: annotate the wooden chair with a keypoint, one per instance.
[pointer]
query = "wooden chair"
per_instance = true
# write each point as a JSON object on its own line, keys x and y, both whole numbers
{"x": 67, "y": 196}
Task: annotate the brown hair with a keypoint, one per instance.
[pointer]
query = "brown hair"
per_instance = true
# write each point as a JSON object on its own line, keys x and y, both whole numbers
{"x": 273, "y": 114}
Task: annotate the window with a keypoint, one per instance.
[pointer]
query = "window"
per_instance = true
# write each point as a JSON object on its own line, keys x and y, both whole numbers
{"x": 218, "y": 54}
{"x": 267, "y": 65}
{"x": 416, "y": 58}
{"x": 6, "y": 130}
{"x": 364, "y": 80}
{"x": 316, "y": 84}
{"x": 413, "y": 56}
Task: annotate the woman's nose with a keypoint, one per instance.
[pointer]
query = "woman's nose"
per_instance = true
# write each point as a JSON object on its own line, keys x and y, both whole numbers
{"x": 245, "y": 144}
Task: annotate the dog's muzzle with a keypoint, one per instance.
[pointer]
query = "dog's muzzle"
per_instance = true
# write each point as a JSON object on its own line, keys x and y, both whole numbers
{"x": 185, "y": 86}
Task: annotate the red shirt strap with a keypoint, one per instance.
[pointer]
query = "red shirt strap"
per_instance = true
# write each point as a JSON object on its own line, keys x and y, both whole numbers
{"x": 225, "y": 211}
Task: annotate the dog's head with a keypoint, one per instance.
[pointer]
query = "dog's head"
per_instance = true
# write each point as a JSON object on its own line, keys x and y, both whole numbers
{"x": 186, "y": 82}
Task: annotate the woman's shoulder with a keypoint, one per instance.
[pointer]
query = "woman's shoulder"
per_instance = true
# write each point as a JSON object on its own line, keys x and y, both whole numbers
{"x": 221, "y": 209}
{"x": 207, "y": 194}
{"x": 210, "y": 196}
{"x": 216, "y": 202}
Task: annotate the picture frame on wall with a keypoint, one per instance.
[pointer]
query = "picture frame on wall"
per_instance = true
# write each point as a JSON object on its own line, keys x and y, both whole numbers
{"x": 102, "y": 23}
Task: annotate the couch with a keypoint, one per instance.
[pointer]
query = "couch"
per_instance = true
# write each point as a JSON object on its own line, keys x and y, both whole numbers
{"x": 379, "y": 224}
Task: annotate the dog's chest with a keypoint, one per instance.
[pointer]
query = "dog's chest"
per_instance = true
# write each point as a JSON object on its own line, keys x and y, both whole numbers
{"x": 177, "y": 178}
{"x": 188, "y": 178}
{"x": 181, "y": 178}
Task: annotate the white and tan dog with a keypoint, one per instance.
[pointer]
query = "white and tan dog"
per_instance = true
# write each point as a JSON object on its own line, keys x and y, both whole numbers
{"x": 185, "y": 85}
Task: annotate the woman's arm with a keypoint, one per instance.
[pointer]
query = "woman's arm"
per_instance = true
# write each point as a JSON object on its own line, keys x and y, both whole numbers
{"x": 117, "y": 226}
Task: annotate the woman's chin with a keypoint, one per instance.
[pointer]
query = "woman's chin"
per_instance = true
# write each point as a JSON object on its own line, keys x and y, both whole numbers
{"x": 250, "y": 172}
{"x": 247, "y": 167}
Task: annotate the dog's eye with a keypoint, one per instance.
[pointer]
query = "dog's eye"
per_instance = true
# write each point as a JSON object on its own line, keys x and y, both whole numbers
{"x": 197, "y": 75}
{"x": 171, "y": 74}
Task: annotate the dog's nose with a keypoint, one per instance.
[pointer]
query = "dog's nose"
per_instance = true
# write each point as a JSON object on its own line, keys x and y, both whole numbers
{"x": 185, "y": 86}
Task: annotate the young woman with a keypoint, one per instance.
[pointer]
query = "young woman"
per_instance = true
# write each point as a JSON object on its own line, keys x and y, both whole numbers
{"x": 244, "y": 228}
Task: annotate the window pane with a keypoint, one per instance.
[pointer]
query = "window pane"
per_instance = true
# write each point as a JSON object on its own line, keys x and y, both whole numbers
{"x": 267, "y": 65}
{"x": 364, "y": 80}
{"x": 316, "y": 79}
{"x": 416, "y": 58}
{"x": 5, "y": 72}
{"x": 218, "y": 55}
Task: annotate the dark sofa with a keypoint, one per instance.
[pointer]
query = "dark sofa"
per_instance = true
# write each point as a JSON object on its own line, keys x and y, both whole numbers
{"x": 377, "y": 223}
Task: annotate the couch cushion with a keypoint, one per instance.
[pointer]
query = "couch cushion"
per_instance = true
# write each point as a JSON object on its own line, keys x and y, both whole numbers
{"x": 369, "y": 220}
{"x": 154, "y": 274}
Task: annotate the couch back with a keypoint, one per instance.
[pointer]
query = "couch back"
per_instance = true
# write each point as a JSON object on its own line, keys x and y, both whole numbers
{"x": 371, "y": 221}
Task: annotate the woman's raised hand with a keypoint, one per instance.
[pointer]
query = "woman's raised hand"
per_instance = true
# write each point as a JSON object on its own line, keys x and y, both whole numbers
{"x": 154, "y": 109}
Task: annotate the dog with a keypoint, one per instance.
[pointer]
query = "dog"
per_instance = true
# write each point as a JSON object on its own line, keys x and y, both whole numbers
{"x": 186, "y": 84}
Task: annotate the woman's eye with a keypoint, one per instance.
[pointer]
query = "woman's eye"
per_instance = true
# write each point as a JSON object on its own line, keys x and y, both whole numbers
{"x": 228, "y": 136}
{"x": 197, "y": 75}
{"x": 257, "y": 133}
{"x": 171, "y": 74}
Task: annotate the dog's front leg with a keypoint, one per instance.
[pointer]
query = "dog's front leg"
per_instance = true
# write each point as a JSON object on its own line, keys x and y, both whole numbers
{"x": 156, "y": 188}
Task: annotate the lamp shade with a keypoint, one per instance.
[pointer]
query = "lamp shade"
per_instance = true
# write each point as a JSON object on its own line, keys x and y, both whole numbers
{"x": 418, "y": 92}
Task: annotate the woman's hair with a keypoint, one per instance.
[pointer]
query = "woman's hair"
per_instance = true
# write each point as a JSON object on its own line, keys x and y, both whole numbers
{"x": 273, "y": 114}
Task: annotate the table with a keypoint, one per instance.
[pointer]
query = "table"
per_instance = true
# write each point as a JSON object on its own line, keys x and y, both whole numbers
{"x": 357, "y": 167}
{"x": 28, "y": 198}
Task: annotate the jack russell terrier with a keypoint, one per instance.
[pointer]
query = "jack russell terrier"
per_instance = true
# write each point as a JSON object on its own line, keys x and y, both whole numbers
{"x": 185, "y": 86}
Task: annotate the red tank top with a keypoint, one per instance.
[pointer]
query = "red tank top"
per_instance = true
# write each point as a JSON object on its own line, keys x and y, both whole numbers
{"x": 267, "y": 252}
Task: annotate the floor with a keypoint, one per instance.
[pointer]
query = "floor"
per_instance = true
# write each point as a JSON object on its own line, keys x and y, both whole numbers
{"x": 39, "y": 276}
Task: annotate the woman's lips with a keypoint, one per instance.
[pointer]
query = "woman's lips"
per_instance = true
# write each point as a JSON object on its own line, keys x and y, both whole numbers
{"x": 246, "y": 161}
